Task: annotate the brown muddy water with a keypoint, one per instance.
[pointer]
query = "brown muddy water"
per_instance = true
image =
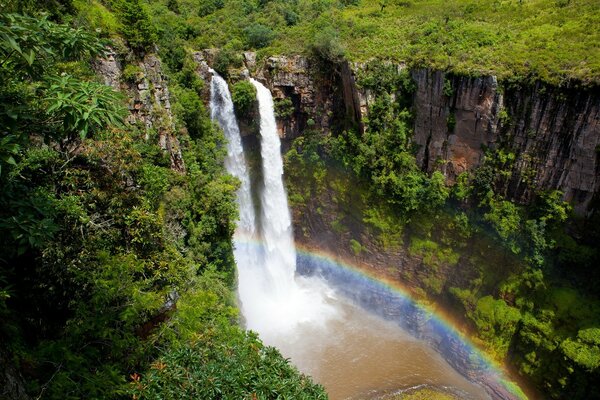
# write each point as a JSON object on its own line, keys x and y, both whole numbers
{"x": 362, "y": 356}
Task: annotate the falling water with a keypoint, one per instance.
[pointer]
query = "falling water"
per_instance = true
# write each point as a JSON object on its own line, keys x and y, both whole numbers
{"x": 273, "y": 300}
{"x": 283, "y": 301}
{"x": 247, "y": 257}
{"x": 351, "y": 352}
{"x": 221, "y": 109}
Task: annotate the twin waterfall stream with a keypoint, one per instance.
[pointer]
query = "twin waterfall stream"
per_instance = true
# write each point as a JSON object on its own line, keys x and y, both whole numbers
{"x": 354, "y": 354}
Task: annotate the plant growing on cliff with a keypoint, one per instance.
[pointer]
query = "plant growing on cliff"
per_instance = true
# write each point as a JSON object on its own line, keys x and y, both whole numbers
{"x": 136, "y": 26}
{"x": 243, "y": 95}
{"x": 284, "y": 108}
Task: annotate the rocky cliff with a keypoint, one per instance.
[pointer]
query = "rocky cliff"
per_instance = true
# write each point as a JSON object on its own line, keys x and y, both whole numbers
{"x": 149, "y": 100}
{"x": 554, "y": 133}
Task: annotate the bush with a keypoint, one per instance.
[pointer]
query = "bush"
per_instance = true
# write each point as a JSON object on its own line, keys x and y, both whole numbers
{"x": 225, "y": 362}
{"x": 209, "y": 6}
{"x": 259, "y": 36}
{"x": 132, "y": 73}
{"x": 284, "y": 108}
{"x": 327, "y": 45}
{"x": 137, "y": 28}
{"x": 243, "y": 95}
{"x": 226, "y": 59}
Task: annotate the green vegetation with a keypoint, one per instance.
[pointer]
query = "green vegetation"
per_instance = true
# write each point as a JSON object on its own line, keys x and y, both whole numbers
{"x": 243, "y": 95}
{"x": 555, "y": 41}
{"x": 521, "y": 275}
{"x": 116, "y": 270}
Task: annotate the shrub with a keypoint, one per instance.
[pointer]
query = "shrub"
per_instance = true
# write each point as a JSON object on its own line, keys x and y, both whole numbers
{"x": 284, "y": 108}
{"x": 243, "y": 95}
{"x": 210, "y": 6}
{"x": 355, "y": 246}
{"x": 226, "y": 59}
{"x": 327, "y": 45}
{"x": 132, "y": 73}
{"x": 259, "y": 36}
{"x": 137, "y": 28}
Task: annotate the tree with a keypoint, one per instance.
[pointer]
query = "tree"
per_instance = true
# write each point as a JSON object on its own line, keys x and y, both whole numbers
{"x": 136, "y": 25}
{"x": 259, "y": 36}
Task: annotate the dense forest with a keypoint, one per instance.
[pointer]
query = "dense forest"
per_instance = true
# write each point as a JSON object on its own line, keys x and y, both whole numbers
{"x": 117, "y": 276}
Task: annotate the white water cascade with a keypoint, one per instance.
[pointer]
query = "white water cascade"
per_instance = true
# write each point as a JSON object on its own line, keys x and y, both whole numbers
{"x": 351, "y": 352}
{"x": 274, "y": 301}
{"x": 279, "y": 301}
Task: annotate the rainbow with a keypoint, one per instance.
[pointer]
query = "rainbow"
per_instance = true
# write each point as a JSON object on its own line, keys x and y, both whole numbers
{"x": 427, "y": 322}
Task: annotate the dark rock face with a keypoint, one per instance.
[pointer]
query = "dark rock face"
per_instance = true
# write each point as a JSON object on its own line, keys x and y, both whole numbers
{"x": 293, "y": 78}
{"x": 554, "y": 133}
{"x": 12, "y": 385}
{"x": 149, "y": 100}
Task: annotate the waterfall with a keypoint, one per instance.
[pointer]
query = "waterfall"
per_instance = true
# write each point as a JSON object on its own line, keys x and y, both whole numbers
{"x": 221, "y": 110}
{"x": 273, "y": 300}
{"x": 247, "y": 255}
{"x": 280, "y": 253}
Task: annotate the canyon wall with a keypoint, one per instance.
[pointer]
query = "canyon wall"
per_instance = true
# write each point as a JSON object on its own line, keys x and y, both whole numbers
{"x": 553, "y": 133}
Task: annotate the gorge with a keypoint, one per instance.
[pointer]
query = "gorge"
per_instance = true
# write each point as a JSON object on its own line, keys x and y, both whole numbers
{"x": 344, "y": 199}
{"x": 306, "y": 319}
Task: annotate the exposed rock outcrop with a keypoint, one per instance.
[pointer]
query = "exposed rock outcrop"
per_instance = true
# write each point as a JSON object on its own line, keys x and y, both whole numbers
{"x": 12, "y": 386}
{"x": 294, "y": 78}
{"x": 149, "y": 100}
{"x": 554, "y": 133}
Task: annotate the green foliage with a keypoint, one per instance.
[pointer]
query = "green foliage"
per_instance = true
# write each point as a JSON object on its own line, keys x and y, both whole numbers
{"x": 132, "y": 73}
{"x": 433, "y": 255}
{"x": 209, "y": 7}
{"x": 226, "y": 59}
{"x": 224, "y": 363}
{"x": 190, "y": 108}
{"x": 327, "y": 45}
{"x": 97, "y": 17}
{"x": 496, "y": 323}
{"x": 243, "y": 95}
{"x": 356, "y": 247}
{"x": 79, "y": 108}
{"x": 258, "y": 36}
{"x": 284, "y": 108}
{"x": 585, "y": 350}
{"x": 136, "y": 26}
{"x": 522, "y": 40}
{"x": 451, "y": 122}
{"x": 447, "y": 88}
{"x": 505, "y": 218}
{"x": 32, "y": 45}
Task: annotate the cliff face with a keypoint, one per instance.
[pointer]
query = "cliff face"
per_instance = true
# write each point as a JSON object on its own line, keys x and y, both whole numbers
{"x": 148, "y": 100}
{"x": 554, "y": 133}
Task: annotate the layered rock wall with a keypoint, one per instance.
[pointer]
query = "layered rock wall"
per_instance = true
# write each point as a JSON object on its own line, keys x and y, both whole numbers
{"x": 149, "y": 100}
{"x": 554, "y": 133}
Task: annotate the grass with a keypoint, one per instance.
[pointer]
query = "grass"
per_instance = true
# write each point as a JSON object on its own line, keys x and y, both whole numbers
{"x": 552, "y": 40}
